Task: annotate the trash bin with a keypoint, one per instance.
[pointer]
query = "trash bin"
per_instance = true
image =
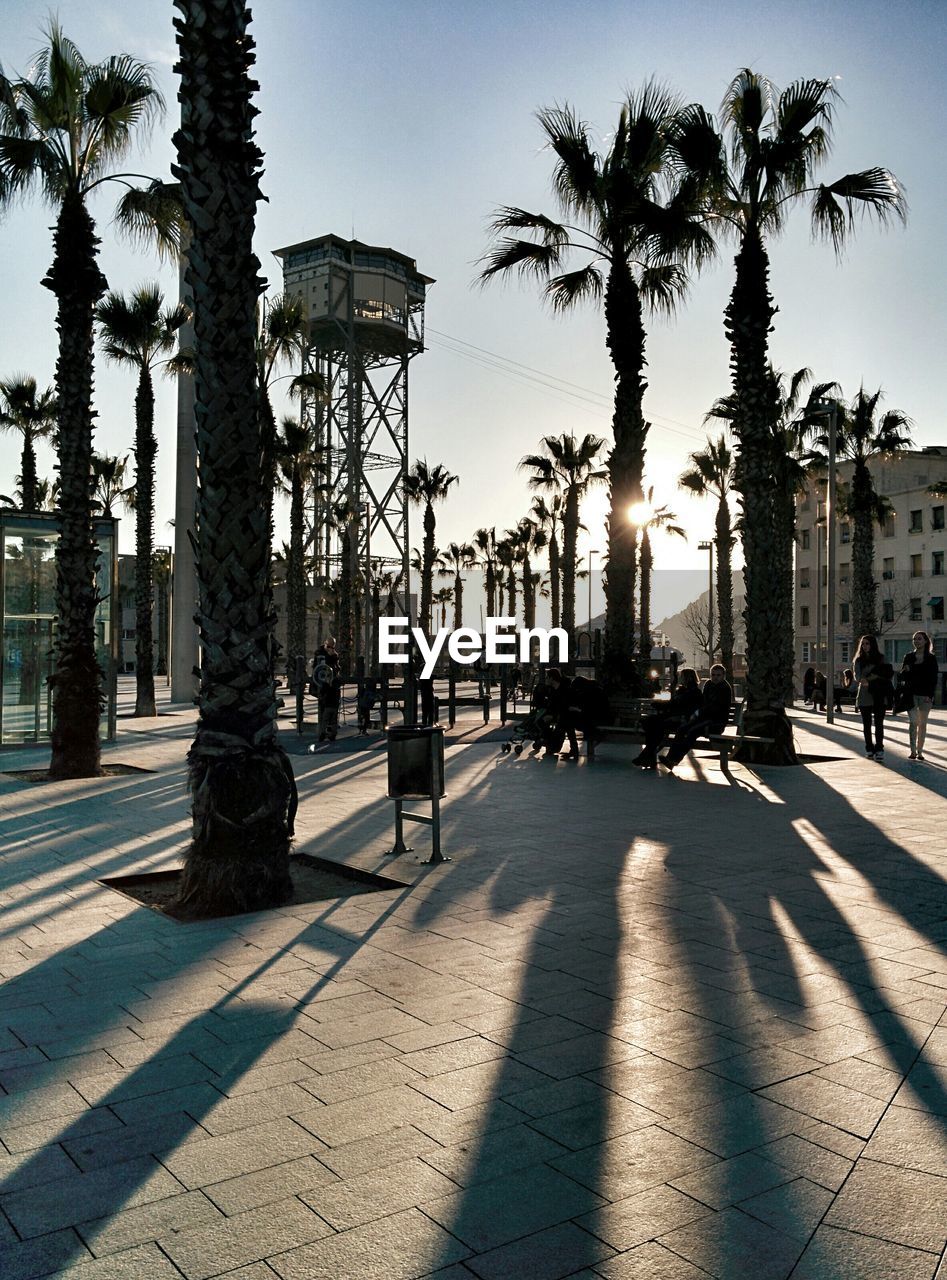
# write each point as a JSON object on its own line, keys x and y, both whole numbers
{"x": 415, "y": 760}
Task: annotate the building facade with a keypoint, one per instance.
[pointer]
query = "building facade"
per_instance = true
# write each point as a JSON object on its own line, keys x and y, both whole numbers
{"x": 910, "y": 552}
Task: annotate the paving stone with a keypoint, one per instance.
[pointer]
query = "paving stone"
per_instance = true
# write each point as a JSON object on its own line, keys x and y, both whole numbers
{"x": 450, "y": 1127}
{"x": 34, "y": 1076}
{"x": 467, "y": 1052}
{"x": 360, "y": 1082}
{"x": 39, "y": 1257}
{"x": 493, "y": 1155}
{"x": 866, "y": 1077}
{"x": 731, "y": 1243}
{"x": 803, "y": 1157}
{"x": 400, "y": 1247}
{"x": 246, "y": 1237}
{"x": 342, "y": 1032}
{"x": 663, "y": 1087}
{"x": 735, "y": 1124}
{"x": 354, "y": 1201}
{"x": 470, "y": 1085}
{"x": 196, "y": 1100}
{"x": 901, "y": 1205}
{"x": 342, "y": 1122}
{"x": 154, "y": 1221}
{"x": 796, "y": 1208}
{"x": 924, "y": 1089}
{"x": 911, "y": 1140}
{"x": 32, "y": 1168}
{"x": 843, "y": 1255}
{"x": 144, "y": 1262}
{"x": 250, "y": 1190}
{"x": 825, "y": 1100}
{"x": 591, "y": 1122}
{"x": 730, "y": 1181}
{"x": 152, "y": 1077}
{"x": 634, "y": 1162}
{"x": 81, "y": 1196}
{"x": 649, "y": 1262}
{"x": 562, "y": 1095}
{"x": 626, "y": 1223}
{"x": 53, "y": 1102}
{"x": 208, "y": 1160}
{"x": 826, "y": 1135}
{"x": 426, "y": 1037}
{"x": 147, "y": 1137}
{"x": 761, "y": 1067}
{"x": 378, "y": 1151}
{"x": 545, "y": 1255}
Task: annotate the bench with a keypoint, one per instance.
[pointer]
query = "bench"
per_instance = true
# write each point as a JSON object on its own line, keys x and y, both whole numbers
{"x": 631, "y": 711}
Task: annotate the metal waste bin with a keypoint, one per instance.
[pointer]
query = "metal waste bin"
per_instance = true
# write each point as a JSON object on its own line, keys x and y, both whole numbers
{"x": 415, "y": 762}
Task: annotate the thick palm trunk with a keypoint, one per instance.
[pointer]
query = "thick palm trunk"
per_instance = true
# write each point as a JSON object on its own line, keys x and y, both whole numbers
{"x": 241, "y": 780}
{"x": 570, "y": 534}
{"x": 646, "y": 561}
{"x": 747, "y": 321}
{"x": 784, "y": 519}
{"x": 723, "y": 544}
{"x": 864, "y": 587}
{"x": 296, "y": 638}
{"x": 28, "y": 478}
{"x": 146, "y": 447}
{"x": 626, "y": 344}
{"x": 458, "y": 602}
{"x": 77, "y": 681}
{"x": 554, "y": 578}
{"x": 427, "y": 569}
{"x": 511, "y": 593}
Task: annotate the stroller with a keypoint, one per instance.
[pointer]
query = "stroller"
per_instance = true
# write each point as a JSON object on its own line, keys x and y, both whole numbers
{"x": 537, "y": 727}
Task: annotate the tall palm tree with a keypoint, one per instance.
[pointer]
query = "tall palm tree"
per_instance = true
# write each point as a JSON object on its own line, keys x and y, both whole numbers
{"x": 34, "y": 417}
{"x": 650, "y": 519}
{"x": 526, "y": 539}
{"x": 711, "y": 475}
{"x": 425, "y": 485}
{"x": 776, "y": 143}
{"x": 485, "y": 541}
{"x": 636, "y": 225}
{"x": 240, "y": 778}
{"x": 549, "y": 518}
{"x": 300, "y": 468}
{"x": 63, "y": 130}
{"x": 442, "y": 598}
{"x": 281, "y": 338}
{"x": 506, "y": 575}
{"x": 141, "y": 333}
{"x": 864, "y": 433}
{"x": 569, "y": 468}
{"x": 455, "y": 560}
{"x": 108, "y": 473}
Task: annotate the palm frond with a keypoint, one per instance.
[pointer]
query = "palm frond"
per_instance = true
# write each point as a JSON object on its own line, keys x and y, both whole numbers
{"x": 573, "y": 287}
{"x": 662, "y": 286}
{"x": 872, "y": 192}
{"x": 153, "y": 217}
{"x": 523, "y": 256}
{"x": 575, "y": 178}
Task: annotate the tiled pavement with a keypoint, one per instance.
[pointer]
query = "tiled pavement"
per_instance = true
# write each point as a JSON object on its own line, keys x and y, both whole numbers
{"x": 659, "y": 1027}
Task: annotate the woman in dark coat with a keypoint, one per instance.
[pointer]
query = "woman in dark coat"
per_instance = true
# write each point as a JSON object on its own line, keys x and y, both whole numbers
{"x": 873, "y": 678}
{"x": 919, "y": 672}
{"x": 684, "y": 705}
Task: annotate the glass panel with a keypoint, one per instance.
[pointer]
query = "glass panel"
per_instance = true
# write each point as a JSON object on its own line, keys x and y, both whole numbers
{"x": 29, "y": 584}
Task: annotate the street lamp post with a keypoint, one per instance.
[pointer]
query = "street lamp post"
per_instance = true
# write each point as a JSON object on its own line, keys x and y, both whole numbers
{"x": 709, "y": 548}
{"x": 830, "y": 408}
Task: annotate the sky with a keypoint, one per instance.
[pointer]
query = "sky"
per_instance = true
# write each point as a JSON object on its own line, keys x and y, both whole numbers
{"x": 407, "y": 122}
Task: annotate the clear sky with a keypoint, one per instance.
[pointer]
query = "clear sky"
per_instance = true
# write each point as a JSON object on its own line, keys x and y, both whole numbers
{"x": 408, "y": 121}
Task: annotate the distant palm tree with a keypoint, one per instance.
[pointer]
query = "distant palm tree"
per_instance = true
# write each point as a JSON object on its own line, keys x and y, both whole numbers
{"x": 549, "y": 518}
{"x": 863, "y": 434}
{"x": 282, "y": 331}
{"x": 651, "y": 519}
{"x": 569, "y": 468}
{"x": 162, "y": 576}
{"x": 526, "y": 539}
{"x": 424, "y": 486}
{"x": 34, "y": 417}
{"x": 485, "y": 541}
{"x": 63, "y": 130}
{"x": 711, "y": 475}
{"x": 241, "y": 780}
{"x": 443, "y": 598}
{"x": 776, "y": 143}
{"x": 141, "y": 333}
{"x": 638, "y": 225}
{"x": 506, "y": 575}
{"x": 455, "y": 560}
{"x": 300, "y": 468}
{"x": 108, "y": 484}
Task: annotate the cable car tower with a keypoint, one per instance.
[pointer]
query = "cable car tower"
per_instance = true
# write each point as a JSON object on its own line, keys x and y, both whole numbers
{"x": 365, "y": 308}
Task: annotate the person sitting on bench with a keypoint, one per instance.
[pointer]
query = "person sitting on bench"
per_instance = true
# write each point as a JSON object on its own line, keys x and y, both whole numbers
{"x": 578, "y": 703}
{"x": 684, "y": 704}
{"x": 716, "y": 699}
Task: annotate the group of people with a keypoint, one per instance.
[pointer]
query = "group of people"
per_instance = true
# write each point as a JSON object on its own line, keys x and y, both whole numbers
{"x": 876, "y": 693}
{"x": 691, "y": 712}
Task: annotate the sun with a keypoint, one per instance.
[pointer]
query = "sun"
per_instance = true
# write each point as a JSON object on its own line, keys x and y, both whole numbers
{"x": 640, "y": 513}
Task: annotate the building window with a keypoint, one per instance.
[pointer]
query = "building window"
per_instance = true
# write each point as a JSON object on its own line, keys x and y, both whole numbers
{"x": 843, "y": 612}
{"x": 887, "y": 570}
{"x": 896, "y": 649}
{"x": 806, "y": 651}
{"x": 845, "y": 533}
{"x": 917, "y": 522}
{"x": 825, "y": 575}
{"x": 825, "y": 615}
{"x": 845, "y": 650}
{"x": 937, "y": 517}
{"x": 916, "y": 609}
{"x": 804, "y": 578}
{"x": 843, "y": 570}
{"x": 937, "y": 608}
{"x": 804, "y": 616}
{"x": 937, "y": 564}
{"x": 917, "y": 570}
{"x": 887, "y": 610}
{"x": 804, "y": 535}
{"x": 888, "y": 526}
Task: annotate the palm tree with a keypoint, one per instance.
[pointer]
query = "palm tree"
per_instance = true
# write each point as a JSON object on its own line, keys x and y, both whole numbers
{"x": 862, "y": 434}
{"x": 506, "y": 575}
{"x": 549, "y": 518}
{"x": 443, "y": 597}
{"x": 162, "y": 576}
{"x": 282, "y": 331}
{"x": 776, "y": 143}
{"x": 454, "y": 561}
{"x": 485, "y": 541}
{"x": 241, "y": 780}
{"x": 648, "y": 518}
{"x": 569, "y": 469}
{"x": 63, "y": 130}
{"x": 140, "y": 333}
{"x": 526, "y": 539}
{"x": 299, "y": 466}
{"x": 425, "y": 485}
{"x": 637, "y": 226}
{"x": 34, "y": 417}
{"x": 108, "y": 474}
{"x": 711, "y": 475}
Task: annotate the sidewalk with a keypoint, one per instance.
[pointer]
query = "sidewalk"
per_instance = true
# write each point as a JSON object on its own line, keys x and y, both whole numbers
{"x": 650, "y": 1026}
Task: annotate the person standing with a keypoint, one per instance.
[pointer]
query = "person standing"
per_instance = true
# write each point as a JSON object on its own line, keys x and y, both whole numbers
{"x": 327, "y": 686}
{"x": 873, "y": 678}
{"x": 808, "y": 684}
{"x": 919, "y": 672}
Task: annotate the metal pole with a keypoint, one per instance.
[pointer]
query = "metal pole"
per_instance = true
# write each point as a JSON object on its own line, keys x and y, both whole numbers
{"x": 818, "y": 586}
{"x": 710, "y": 604}
{"x": 368, "y": 588}
{"x": 830, "y": 527}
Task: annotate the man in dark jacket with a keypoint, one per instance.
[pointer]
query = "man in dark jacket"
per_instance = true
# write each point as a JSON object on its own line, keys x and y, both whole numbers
{"x": 716, "y": 698}
{"x": 683, "y": 705}
{"x": 577, "y": 703}
{"x": 327, "y": 687}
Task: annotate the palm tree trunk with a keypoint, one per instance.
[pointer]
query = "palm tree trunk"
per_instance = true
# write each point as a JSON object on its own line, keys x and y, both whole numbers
{"x": 784, "y": 519}
{"x": 723, "y": 543}
{"x": 748, "y": 318}
{"x": 427, "y": 568}
{"x": 146, "y": 447}
{"x": 529, "y": 598}
{"x": 78, "y": 698}
{"x": 491, "y": 589}
{"x": 864, "y": 587}
{"x": 296, "y": 638}
{"x": 570, "y": 534}
{"x": 554, "y": 578}
{"x": 458, "y": 601}
{"x": 241, "y": 780}
{"x": 28, "y": 479}
{"x": 646, "y": 561}
{"x": 625, "y": 338}
{"x": 511, "y": 592}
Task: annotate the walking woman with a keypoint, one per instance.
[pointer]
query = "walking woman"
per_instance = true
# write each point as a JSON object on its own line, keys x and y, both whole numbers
{"x": 919, "y": 672}
{"x": 873, "y": 678}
